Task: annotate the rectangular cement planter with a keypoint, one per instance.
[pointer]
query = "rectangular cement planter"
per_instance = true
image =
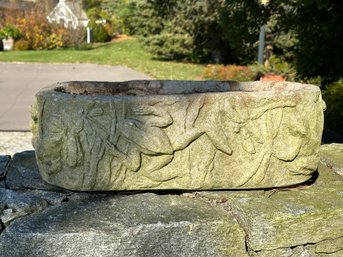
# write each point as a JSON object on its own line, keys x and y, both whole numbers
{"x": 177, "y": 134}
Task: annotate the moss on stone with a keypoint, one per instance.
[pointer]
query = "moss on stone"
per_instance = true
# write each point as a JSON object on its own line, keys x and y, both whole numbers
{"x": 287, "y": 217}
{"x": 331, "y": 155}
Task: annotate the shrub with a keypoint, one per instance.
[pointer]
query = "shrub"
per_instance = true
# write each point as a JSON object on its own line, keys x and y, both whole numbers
{"x": 39, "y": 33}
{"x": 275, "y": 66}
{"x": 54, "y": 40}
{"x": 224, "y": 31}
{"x": 121, "y": 14}
{"x": 111, "y": 29}
{"x": 313, "y": 80}
{"x": 99, "y": 32}
{"x": 333, "y": 97}
{"x": 230, "y": 72}
{"x": 9, "y": 31}
{"x": 22, "y": 45}
{"x": 74, "y": 37}
{"x": 169, "y": 45}
{"x": 316, "y": 27}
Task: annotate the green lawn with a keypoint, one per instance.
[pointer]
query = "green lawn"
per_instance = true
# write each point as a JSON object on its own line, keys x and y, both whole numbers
{"x": 126, "y": 53}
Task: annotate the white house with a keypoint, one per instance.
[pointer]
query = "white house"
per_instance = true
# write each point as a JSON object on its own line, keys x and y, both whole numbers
{"x": 69, "y": 13}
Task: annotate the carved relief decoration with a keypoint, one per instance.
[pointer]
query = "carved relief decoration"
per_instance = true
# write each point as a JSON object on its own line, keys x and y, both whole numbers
{"x": 191, "y": 142}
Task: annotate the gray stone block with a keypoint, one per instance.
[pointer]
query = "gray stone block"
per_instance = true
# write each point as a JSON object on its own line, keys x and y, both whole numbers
{"x": 331, "y": 155}
{"x": 137, "y": 225}
{"x": 18, "y": 204}
{"x": 23, "y": 173}
{"x": 4, "y": 161}
{"x": 289, "y": 217}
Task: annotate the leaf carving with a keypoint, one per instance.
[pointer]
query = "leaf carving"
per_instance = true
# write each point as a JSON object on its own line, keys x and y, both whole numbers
{"x": 193, "y": 111}
{"x": 95, "y": 112}
{"x": 153, "y": 115}
{"x": 276, "y": 115}
{"x": 70, "y": 150}
{"x": 151, "y": 140}
{"x": 247, "y": 143}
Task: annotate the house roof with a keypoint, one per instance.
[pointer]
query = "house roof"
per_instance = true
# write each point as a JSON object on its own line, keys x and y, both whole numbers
{"x": 76, "y": 7}
{"x": 69, "y": 12}
{"x": 17, "y": 5}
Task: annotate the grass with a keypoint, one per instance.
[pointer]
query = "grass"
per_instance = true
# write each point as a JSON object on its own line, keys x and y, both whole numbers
{"x": 127, "y": 53}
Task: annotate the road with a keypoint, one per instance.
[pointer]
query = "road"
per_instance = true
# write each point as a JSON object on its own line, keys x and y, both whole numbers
{"x": 19, "y": 83}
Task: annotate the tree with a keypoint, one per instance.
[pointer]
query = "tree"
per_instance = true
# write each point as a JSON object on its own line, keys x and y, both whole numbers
{"x": 89, "y": 4}
{"x": 224, "y": 31}
{"x": 318, "y": 26}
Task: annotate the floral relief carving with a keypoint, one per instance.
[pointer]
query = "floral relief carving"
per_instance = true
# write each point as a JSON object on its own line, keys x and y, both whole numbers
{"x": 156, "y": 144}
{"x": 139, "y": 129}
{"x": 62, "y": 144}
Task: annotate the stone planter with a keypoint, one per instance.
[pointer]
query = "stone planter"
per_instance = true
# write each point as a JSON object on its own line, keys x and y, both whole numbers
{"x": 177, "y": 134}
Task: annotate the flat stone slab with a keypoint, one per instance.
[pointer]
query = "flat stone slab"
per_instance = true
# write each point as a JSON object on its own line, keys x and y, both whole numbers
{"x": 22, "y": 173}
{"x": 278, "y": 222}
{"x": 192, "y": 135}
{"x": 331, "y": 155}
{"x": 137, "y": 225}
{"x": 17, "y": 204}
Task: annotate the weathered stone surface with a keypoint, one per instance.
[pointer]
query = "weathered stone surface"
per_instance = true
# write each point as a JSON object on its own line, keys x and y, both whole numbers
{"x": 23, "y": 173}
{"x": 300, "y": 251}
{"x": 281, "y": 252}
{"x": 52, "y": 198}
{"x": 137, "y": 225}
{"x": 17, "y": 204}
{"x": 329, "y": 246}
{"x": 301, "y": 221}
{"x": 331, "y": 155}
{"x": 177, "y": 134}
{"x": 4, "y": 160}
{"x": 289, "y": 217}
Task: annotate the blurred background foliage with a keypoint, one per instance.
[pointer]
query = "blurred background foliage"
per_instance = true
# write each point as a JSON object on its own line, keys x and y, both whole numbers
{"x": 303, "y": 33}
{"x": 303, "y": 37}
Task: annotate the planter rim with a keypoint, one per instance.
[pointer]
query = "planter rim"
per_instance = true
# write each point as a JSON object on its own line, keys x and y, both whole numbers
{"x": 169, "y": 88}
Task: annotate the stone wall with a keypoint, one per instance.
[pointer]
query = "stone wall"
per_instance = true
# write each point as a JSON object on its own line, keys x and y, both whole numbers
{"x": 38, "y": 219}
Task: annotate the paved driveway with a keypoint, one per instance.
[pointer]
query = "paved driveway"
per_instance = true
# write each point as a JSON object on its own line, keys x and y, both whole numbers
{"x": 19, "y": 83}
